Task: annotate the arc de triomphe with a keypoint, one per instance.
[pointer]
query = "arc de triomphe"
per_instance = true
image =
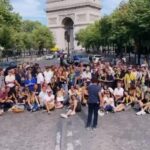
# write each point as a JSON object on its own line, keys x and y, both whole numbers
{"x": 67, "y": 17}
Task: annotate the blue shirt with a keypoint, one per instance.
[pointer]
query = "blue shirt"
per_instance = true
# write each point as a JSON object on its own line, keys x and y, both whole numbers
{"x": 93, "y": 91}
{"x": 30, "y": 83}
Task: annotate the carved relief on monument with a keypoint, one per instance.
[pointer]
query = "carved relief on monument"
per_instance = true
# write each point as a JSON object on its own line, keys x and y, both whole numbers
{"x": 52, "y": 21}
{"x": 93, "y": 17}
{"x": 81, "y": 17}
{"x": 61, "y": 12}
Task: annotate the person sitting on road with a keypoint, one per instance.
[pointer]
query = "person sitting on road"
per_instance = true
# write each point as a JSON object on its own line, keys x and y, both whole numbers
{"x": 118, "y": 93}
{"x": 32, "y": 102}
{"x": 84, "y": 92}
{"x": 42, "y": 96}
{"x": 124, "y": 104}
{"x": 60, "y": 98}
{"x": 86, "y": 75}
{"x": 145, "y": 103}
{"x": 108, "y": 100}
{"x": 5, "y": 102}
{"x": 74, "y": 107}
{"x": 30, "y": 81}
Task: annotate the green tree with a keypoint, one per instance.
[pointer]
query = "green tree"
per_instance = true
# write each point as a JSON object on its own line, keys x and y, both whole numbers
{"x": 43, "y": 38}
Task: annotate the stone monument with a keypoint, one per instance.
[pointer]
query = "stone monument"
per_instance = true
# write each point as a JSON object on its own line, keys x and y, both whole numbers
{"x": 67, "y": 17}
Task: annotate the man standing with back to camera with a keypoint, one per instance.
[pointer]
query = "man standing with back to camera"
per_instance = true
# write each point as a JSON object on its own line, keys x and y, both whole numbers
{"x": 93, "y": 104}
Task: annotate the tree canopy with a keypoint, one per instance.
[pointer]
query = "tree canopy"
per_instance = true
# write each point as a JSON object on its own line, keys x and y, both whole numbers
{"x": 18, "y": 34}
{"x": 128, "y": 26}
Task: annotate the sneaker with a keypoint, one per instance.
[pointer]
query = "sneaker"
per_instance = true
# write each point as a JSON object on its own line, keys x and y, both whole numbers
{"x": 142, "y": 112}
{"x": 88, "y": 128}
{"x": 94, "y": 128}
{"x": 64, "y": 116}
{"x": 139, "y": 113}
{"x": 1, "y": 112}
{"x": 100, "y": 113}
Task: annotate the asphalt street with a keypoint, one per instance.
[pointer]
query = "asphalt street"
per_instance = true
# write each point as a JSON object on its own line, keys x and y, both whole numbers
{"x": 40, "y": 131}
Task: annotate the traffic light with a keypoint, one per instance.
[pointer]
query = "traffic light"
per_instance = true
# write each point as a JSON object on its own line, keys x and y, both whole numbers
{"x": 67, "y": 36}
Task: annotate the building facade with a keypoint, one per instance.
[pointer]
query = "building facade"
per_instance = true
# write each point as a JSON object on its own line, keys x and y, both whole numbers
{"x": 67, "y": 17}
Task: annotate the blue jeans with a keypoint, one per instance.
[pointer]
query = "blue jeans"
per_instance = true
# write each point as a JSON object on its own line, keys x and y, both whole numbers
{"x": 92, "y": 112}
{"x": 109, "y": 108}
{"x": 35, "y": 107}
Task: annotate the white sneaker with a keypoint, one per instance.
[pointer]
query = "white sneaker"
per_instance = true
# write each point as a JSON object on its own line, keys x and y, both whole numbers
{"x": 64, "y": 116}
{"x": 100, "y": 113}
{"x": 142, "y": 112}
{"x": 139, "y": 113}
{"x": 1, "y": 112}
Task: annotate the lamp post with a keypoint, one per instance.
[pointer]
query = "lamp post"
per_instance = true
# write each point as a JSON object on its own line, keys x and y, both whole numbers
{"x": 67, "y": 37}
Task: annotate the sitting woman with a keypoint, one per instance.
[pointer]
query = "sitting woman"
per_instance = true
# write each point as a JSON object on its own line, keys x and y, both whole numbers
{"x": 36, "y": 90}
{"x": 50, "y": 101}
{"x": 60, "y": 98}
{"x": 5, "y": 101}
{"x": 84, "y": 94}
{"x": 108, "y": 101}
{"x": 30, "y": 82}
{"x": 19, "y": 96}
{"x": 75, "y": 106}
{"x": 32, "y": 102}
{"x": 125, "y": 103}
{"x": 72, "y": 91}
{"x": 145, "y": 103}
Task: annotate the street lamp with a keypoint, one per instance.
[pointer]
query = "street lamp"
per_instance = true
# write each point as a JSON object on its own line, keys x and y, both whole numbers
{"x": 67, "y": 38}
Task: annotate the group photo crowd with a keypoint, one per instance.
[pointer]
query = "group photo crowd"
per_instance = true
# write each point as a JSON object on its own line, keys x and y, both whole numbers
{"x": 30, "y": 87}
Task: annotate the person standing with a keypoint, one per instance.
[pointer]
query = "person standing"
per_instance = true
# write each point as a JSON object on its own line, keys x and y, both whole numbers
{"x": 93, "y": 104}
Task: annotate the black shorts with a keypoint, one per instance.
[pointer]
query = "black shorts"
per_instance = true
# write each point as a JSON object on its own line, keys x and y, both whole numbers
{"x": 78, "y": 108}
{"x": 11, "y": 91}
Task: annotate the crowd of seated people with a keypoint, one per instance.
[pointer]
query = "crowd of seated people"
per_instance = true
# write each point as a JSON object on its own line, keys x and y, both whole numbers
{"x": 32, "y": 88}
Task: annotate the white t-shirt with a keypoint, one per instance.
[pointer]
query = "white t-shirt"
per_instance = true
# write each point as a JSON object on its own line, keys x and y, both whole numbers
{"x": 60, "y": 98}
{"x": 72, "y": 92}
{"x": 49, "y": 98}
{"x": 48, "y": 76}
{"x": 40, "y": 78}
{"x": 119, "y": 92}
{"x": 43, "y": 96}
{"x": 109, "y": 101}
{"x": 86, "y": 75}
{"x": 10, "y": 80}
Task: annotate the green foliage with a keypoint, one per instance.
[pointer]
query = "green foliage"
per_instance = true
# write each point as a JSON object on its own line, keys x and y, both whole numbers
{"x": 16, "y": 34}
{"x": 43, "y": 37}
{"x": 128, "y": 25}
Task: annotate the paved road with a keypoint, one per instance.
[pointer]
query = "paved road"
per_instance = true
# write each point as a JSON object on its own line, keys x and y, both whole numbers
{"x": 40, "y": 131}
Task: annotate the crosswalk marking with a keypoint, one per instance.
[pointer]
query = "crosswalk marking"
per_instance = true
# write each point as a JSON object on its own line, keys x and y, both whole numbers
{"x": 58, "y": 141}
{"x": 70, "y": 146}
{"x": 69, "y": 133}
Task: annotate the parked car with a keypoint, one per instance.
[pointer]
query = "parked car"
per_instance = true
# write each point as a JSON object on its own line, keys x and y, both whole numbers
{"x": 6, "y": 66}
{"x": 96, "y": 58}
{"x": 81, "y": 58}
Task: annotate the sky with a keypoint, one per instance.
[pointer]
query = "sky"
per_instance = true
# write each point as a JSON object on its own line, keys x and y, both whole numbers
{"x": 35, "y": 9}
